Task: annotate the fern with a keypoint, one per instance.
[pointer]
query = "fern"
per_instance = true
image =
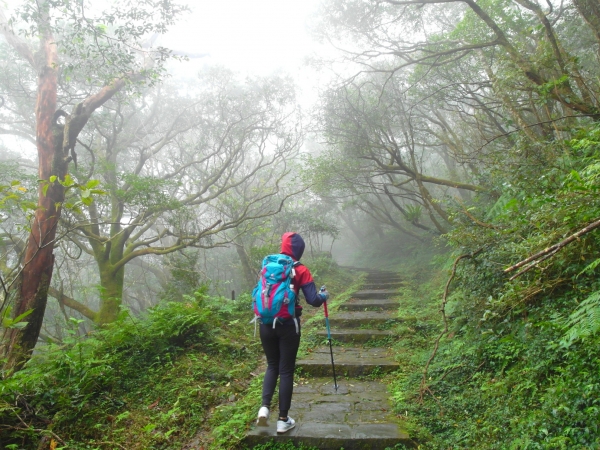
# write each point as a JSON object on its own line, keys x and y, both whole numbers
{"x": 584, "y": 321}
{"x": 414, "y": 213}
{"x": 589, "y": 268}
{"x": 503, "y": 204}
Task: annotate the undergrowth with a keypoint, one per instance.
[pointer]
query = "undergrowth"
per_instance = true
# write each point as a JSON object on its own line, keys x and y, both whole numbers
{"x": 520, "y": 365}
{"x": 138, "y": 384}
{"x": 184, "y": 375}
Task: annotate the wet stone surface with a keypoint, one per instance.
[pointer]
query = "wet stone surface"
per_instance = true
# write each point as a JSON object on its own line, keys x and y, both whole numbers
{"x": 369, "y": 304}
{"x": 349, "y": 361}
{"x": 356, "y": 319}
{"x": 375, "y": 294}
{"x": 358, "y": 415}
{"x": 317, "y": 400}
{"x": 357, "y": 335}
{"x": 383, "y": 280}
{"x": 383, "y": 285}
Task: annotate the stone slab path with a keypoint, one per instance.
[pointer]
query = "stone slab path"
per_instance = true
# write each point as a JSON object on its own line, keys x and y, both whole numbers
{"x": 358, "y": 415}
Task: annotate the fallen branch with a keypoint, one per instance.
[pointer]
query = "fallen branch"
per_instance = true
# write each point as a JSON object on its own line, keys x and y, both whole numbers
{"x": 548, "y": 252}
{"x": 423, "y": 388}
{"x": 26, "y": 427}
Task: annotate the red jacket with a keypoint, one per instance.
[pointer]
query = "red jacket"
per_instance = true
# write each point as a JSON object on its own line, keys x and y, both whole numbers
{"x": 292, "y": 245}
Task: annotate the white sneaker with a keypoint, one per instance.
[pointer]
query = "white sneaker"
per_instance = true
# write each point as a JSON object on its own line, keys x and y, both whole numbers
{"x": 283, "y": 426}
{"x": 263, "y": 417}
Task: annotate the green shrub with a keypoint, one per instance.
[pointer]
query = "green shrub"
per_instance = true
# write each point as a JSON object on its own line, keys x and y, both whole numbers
{"x": 520, "y": 367}
{"x": 139, "y": 383}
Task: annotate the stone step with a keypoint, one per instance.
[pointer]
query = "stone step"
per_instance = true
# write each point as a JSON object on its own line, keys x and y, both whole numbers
{"x": 382, "y": 285}
{"x": 356, "y": 417}
{"x": 355, "y": 319}
{"x": 369, "y": 270}
{"x": 369, "y": 305}
{"x": 375, "y": 293}
{"x": 349, "y": 362}
{"x": 383, "y": 279}
{"x": 359, "y": 336}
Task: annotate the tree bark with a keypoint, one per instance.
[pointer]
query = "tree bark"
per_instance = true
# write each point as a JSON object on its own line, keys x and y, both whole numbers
{"x": 249, "y": 274}
{"x": 111, "y": 294}
{"x": 39, "y": 258}
{"x": 54, "y": 143}
{"x": 65, "y": 300}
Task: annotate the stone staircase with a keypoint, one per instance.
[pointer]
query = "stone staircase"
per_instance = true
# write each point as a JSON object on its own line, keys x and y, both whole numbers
{"x": 358, "y": 415}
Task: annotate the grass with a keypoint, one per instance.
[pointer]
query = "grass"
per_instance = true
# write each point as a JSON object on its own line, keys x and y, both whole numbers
{"x": 418, "y": 322}
{"x": 147, "y": 383}
{"x": 188, "y": 375}
{"x": 515, "y": 388}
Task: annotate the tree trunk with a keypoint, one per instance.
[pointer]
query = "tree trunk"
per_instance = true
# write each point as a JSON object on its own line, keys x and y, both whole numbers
{"x": 39, "y": 258}
{"x": 250, "y": 277}
{"x": 349, "y": 221}
{"x": 111, "y": 294}
{"x": 64, "y": 300}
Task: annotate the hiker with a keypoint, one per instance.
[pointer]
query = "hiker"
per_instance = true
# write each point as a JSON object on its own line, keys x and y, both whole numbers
{"x": 280, "y": 340}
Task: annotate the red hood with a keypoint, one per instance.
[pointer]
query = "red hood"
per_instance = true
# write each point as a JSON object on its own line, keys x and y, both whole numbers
{"x": 292, "y": 245}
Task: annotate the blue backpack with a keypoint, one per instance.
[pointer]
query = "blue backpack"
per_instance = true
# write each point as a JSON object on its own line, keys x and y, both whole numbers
{"x": 273, "y": 298}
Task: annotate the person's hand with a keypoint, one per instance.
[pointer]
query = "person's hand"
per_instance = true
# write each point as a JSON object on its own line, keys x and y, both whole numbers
{"x": 323, "y": 293}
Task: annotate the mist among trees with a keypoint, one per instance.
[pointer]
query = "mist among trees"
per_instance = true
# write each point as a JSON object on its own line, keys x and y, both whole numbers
{"x": 456, "y": 142}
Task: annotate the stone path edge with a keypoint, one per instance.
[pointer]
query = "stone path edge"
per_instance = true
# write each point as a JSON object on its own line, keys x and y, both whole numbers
{"x": 331, "y": 436}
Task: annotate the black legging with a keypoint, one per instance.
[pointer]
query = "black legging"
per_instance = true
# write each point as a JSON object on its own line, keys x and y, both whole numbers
{"x": 281, "y": 346}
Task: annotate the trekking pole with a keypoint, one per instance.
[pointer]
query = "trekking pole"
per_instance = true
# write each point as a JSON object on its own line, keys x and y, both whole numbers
{"x": 329, "y": 339}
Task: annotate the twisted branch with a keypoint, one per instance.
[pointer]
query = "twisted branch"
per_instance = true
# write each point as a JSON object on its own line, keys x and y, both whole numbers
{"x": 424, "y": 388}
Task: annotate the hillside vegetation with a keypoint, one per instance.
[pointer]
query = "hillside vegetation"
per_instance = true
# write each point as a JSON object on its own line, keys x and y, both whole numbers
{"x": 186, "y": 373}
{"x": 455, "y": 142}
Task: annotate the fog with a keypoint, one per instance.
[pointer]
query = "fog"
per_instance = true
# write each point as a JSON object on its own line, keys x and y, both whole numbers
{"x": 371, "y": 128}
{"x": 152, "y": 154}
{"x": 250, "y": 37}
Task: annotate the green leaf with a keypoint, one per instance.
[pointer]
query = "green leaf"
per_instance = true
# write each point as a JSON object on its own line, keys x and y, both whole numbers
{"x": 92, "y": 184}
{"x": 590, "y": 267}
{"x": 22, "y": 316}
{"x": 122, "y": 416}
{"x": 53, "y": 178}
{"x": 17, "y": 322}
{"x": 68, "y": 181}
{"x": 148, "y": 428}
{"x": 5, "y": 317}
